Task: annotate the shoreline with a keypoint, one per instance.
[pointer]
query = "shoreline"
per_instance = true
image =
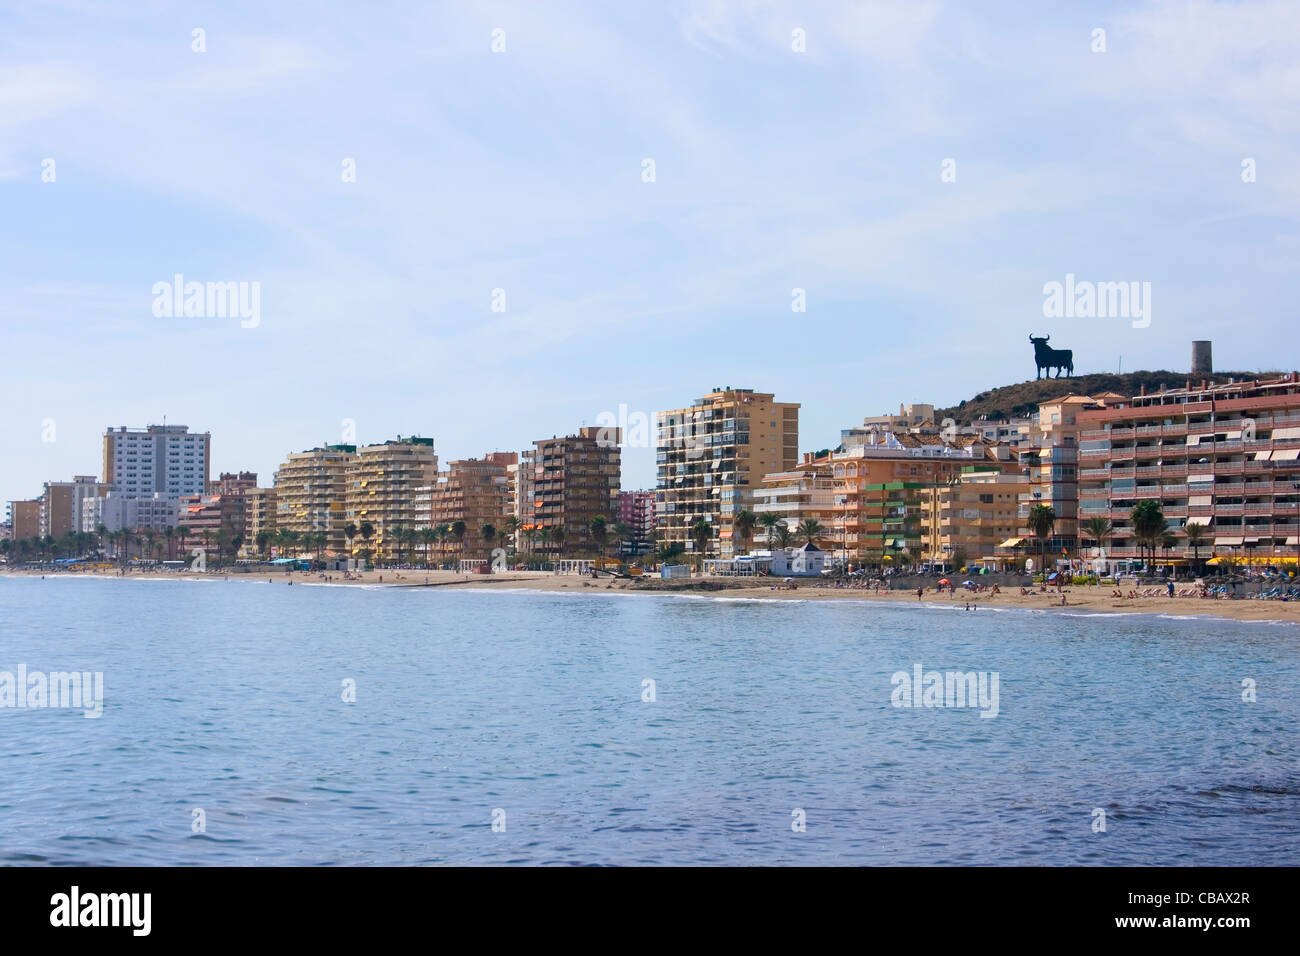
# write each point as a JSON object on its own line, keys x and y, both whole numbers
{"x": 1079, "y": 599}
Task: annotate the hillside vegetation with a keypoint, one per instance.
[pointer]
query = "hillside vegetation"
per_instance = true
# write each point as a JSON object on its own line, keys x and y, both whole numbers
{"x": 1024, "y": 397}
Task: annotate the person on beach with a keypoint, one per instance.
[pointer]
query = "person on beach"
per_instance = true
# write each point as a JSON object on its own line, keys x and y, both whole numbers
{"x": 919, "y": 592}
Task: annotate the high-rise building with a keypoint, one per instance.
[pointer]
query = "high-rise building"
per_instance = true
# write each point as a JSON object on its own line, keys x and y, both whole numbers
{"x": 1050, "y": 460}
{"x": 25, "y": 519}
{"x": 311, "y": 490}
{"x": 477, "y": 491}
{"x": 382, "y": 490}
{"x": 712, "y": 455}
{"x": 259, "y": 516}
{"x": 1225, "y": 457}
{"x": 575, "y": 479}
{"x": 636, "y": 509}
{"x": 158, "y": 459}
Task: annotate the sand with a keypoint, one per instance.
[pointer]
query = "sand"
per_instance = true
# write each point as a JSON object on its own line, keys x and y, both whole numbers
{"x": 1077, "y": 598}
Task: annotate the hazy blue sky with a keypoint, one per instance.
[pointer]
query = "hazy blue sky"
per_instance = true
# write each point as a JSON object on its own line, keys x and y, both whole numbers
{"x": 522, "y": 170}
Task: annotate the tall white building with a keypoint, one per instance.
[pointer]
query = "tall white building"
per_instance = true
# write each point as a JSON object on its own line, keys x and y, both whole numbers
{"x": 119, "y": 512}
{"x": 158, "y": 459}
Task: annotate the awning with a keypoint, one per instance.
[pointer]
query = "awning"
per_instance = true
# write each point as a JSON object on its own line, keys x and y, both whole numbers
{"x": 1011, "y": 543}
{"x": 1263, "y": 455}
{"x": 1286, "y": 454}
{"x": 1288, "y": 434}
{"x": 1227, "y": 540}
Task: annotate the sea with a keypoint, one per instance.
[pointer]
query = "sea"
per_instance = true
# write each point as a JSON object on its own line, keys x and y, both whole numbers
{"x": 246, "y": 722}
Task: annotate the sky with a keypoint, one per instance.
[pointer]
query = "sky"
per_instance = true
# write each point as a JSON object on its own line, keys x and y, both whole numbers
{"x": 563, "y": 209}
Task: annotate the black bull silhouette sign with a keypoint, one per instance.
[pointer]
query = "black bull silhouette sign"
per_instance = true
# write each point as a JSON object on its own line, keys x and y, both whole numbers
{"x": 1046, "y": 358}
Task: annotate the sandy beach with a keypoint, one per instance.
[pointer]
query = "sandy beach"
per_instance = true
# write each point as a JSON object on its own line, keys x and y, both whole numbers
{"x": 1077, "y": 598}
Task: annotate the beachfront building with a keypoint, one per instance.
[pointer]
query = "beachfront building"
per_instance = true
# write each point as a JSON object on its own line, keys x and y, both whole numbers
{"x": 310, "y": 493}
{"x": 793, "y": 497}
{"x": 62, "y": 503}
{"x": 1224, "y": 456}
{"x": 880, "y": 482}
{"x": 477, "y": 492}
{"x": 25, "y": 519}
{"x": 711, "y": 457}
{"x": 525, "y": 476}
{"x": 157, "y": 459}
{"x": 636, "y": 509}
{"x": 116, "y": 512}
{"x": 1050, "y": 460}
{"x": 213, "y": 522}
{"x": 382, "y": 488}
{"x": 966, "y": 518}
{"x": 260, "y": 505}
{"x": 575, "y": 479}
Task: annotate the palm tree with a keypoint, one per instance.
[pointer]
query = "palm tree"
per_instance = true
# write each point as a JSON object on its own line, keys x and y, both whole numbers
{"x": 350, "y": 531}
{"x": 264, "y": 544}
{"x": 1149, "y": 524}
{"x": 599, "y": 534}
{"x": 1042, "y": 522}
{"x": 367, "y": 532}
{"x": 769, "y": 522}
{"x": 810, "y": 529}
{"x": 784, "y": 536}
{"x": 545, "y": 535}
{"x": 442, "y": 532}
{"x": 510, "y": 532}
{"x": 622, "y": 532}
{"x": 530, "y": 534}
{"x": 427, "y": 537}
{"x": 1197, "y": 538}
{"x": 557, "y": 535}
{"x": 489, "y": 535}
{"x": 1099, "y": 529}
{"x": 701, "y": 535}
{"x": 743, "y": 525}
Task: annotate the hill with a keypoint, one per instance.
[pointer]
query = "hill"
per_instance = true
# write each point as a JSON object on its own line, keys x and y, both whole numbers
{"x": 1023, "y": 398}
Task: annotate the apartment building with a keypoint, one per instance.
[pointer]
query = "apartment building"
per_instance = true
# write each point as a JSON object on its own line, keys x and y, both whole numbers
{"x": 116, "y": 512}
{"x": 711, "y": 457}
{"x": 1226, "y": 456}
{"x": 477, "y": 491}
{"x": 806, "y": 493}
{"x": 968, "y": 517}
{"x": 636, "y": 509}
{"x": 260, "y": 513}
{"x": 1050, "y": 460}
{"x": 233, "y": 483}
{"x": 25, "y": 519}
{"x": 62, "y": 503}
{"x": 383, "y": 483}
{"x": 311, "y": 492}
{"x": 575, "y": 479}
{"x": 881, "y": 484}
{"x": 158, "y": 459}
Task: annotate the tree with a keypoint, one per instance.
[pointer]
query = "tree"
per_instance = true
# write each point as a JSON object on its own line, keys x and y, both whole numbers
{"x": 743, "y": 525}
{"x": 1149, "y": 524}
{"x": 350, "y": 531}
{"x": 427, "y": 537}
{"x": 701, "y": 535}
{"x": 769, "y": 522}
{"x": 367, "y": 532}
{"x": 557, "y": 535}
{"x": 1042, "y": 522}
{"x": 458, "y": 530}
{"x": 1099, "y": 529}
{"x": 623, "y": 534}
{"x": 599, "y": 534}
{"x": 489, "y": 535}
{"x": 510, "y": 532}
{"x": 784, "y": 536}
{"x": 810, "y": 529}
{"x": 1197, "y": 538}
{"x": 263, "y": 540}
{"x": 169, "y": 533}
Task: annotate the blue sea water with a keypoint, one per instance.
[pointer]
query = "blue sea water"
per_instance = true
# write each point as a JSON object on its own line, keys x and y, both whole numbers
{"x": 227, "y": 697}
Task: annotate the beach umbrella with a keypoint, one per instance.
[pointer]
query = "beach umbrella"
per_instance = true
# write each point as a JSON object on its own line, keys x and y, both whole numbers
{"x": 968, "y": 584}
{"x": 944, "y": 581}
{"x": 1053, "y": 576}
